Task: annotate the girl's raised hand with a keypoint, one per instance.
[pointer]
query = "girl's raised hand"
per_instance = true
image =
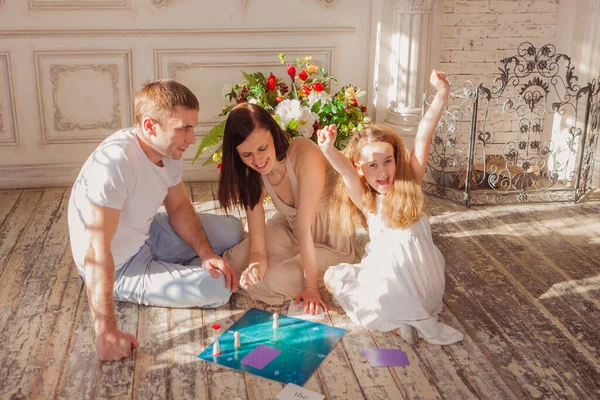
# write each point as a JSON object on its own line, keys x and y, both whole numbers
{"x": 326, "y": 137}
{"x": 438, "y": 80}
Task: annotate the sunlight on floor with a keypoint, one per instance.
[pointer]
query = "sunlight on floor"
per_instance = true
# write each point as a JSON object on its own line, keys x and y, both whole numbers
{"x": 572, "y": 287}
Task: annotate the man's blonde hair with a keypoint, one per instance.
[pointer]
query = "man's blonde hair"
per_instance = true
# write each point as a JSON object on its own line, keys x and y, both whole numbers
{"x": 157, "y": 99}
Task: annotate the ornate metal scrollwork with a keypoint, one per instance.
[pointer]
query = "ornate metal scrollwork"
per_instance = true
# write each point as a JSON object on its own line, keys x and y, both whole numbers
{"x": 528, "y": 134}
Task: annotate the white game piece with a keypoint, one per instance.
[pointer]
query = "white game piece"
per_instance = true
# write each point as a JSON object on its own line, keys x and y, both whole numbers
{"x": 216, "y": 348}
{"x": 275, "y": 321}
{"x": 236, "y": 341}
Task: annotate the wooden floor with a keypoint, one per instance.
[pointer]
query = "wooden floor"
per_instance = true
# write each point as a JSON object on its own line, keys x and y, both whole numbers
{"x": 523, "y": 284}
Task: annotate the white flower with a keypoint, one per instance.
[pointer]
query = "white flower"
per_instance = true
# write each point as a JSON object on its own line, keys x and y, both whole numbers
{"x": 288, "y": 110}
{"x": 306, "y": 122}
{"x": 291, "y": 110}
{"x": 253, "y": 101}
{"x": 313, "y": 97}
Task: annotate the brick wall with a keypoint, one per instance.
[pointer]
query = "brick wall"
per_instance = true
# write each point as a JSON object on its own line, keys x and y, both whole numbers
{"x": 476, "y": 34}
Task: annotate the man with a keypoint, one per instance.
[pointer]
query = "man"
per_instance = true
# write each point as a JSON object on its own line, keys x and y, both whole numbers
{"x": 123, "y": 249}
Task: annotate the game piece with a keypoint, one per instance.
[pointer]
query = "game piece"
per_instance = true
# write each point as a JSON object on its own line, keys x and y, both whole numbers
{"x": 275, "y": 321}
{"x": 302, "y": 346}
{"x": 236, "y": 342}
{"x": 216, "y": 348}
{"x": 385, "y": 357}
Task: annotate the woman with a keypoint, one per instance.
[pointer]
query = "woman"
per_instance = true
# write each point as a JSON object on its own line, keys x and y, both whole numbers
{"x": 286, "y": 257}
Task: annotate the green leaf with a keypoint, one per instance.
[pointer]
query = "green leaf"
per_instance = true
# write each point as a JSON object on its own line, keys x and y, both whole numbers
{"x": 282, "y": 58}
{"x": 293, "y": 124}
{"x": 316, "y": 107}
{"x": 213, "y": 137}
{"x": 251, "y": 80}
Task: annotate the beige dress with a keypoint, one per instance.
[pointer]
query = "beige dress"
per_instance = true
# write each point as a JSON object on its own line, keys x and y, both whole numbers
{"x": 284, "y": 278}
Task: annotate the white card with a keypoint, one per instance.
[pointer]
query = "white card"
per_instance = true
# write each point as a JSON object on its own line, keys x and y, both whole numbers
{"x": 295, "y": 392}
{"x": 297, "y": 311}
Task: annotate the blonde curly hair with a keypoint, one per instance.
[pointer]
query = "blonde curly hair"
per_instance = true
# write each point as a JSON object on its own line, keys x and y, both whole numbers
{"x": 402, "y": 206}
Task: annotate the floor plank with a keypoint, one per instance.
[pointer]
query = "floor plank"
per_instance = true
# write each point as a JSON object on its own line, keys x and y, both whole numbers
{"x": 27, "y": 324}
{"x": 523, "y": 285}
{"x": 18, "y": 215}
{"x": 506, "y": 323}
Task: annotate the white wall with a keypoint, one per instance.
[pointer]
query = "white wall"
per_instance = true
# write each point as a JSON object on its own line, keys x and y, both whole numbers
{"x": 69, "y": 68}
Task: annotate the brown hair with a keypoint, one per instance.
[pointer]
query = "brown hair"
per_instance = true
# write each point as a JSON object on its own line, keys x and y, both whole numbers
{"x": 405, "y": 203}
{"x": 157, "y": 99}
{"x": 240, "y": 186}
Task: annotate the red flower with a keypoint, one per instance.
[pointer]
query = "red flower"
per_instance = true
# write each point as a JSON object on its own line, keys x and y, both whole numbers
{"x": 278, "y": 99}
{"x": 318, "y": 87}
{"x": 219, "y": 165}
{"x": 303, "y": 75}
{"x": 306, "y": 89}
{"x": 291, "y": 71}
{"x": 354, "y": 103}
{"x": 363, "y": 109}
{"x": 271, "y": 82}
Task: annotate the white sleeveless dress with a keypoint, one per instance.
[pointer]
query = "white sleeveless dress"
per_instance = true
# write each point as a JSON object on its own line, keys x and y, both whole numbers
{"x": 399, "y": 281}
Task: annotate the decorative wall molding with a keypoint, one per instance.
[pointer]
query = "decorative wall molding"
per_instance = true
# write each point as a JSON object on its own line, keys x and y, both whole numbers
{"x": 52, "y": 33}
{"x": 65, "y": 173}
{"x": 56, "y": 73}
{"x": 160, "y": 3}
{"x": 53, "y": 67}
{"x": 79, "y": 5}
{"x": 328, "y": 2}
{"x": 8, "y": 121}
{"x": 413, "y": 6}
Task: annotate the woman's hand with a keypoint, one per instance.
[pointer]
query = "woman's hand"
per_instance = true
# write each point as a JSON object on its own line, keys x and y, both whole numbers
{"x": 252, "y": 275}
{"x": 326, "y": 137}
{"x": 312, "y": 301}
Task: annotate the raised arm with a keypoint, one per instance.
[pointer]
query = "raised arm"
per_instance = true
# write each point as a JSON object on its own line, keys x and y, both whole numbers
{"x": 312, "y": 168}
{"x": 341, "y": 164}
{"x": 426, "y": 129}
{"x": 99, "y": 268}
{"x": 185, "y": 223}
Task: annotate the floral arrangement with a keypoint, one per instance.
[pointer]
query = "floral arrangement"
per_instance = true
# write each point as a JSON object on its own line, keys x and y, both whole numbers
{"x": 301, "y": 106}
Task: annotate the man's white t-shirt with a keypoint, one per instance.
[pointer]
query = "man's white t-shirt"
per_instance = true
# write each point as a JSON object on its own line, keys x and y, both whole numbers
{"x": 119, "y": 175}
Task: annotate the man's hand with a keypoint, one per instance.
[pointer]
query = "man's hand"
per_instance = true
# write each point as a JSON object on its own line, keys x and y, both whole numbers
{"x": 115, "y": 346}
{"x": 213, "y": 263}
{"x": 312, "y": 301}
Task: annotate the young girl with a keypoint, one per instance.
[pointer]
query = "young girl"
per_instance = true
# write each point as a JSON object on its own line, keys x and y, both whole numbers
{"x": 399, "y": 284}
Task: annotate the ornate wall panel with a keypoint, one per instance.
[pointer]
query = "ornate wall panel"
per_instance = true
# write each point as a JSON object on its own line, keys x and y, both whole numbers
{"x": 70, "y": 114}
{"x": 8, "y": 125}
{"x": 79, "y": 4}
{"x": 205, "y": 70}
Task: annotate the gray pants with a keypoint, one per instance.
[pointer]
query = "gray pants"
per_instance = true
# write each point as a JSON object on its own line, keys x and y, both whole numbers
{"x": 167, "y": 272}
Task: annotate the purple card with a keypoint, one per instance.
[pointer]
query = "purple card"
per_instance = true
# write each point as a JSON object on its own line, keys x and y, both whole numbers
{"x": 260, "y": 356}
{"x": 385, "y": 357}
